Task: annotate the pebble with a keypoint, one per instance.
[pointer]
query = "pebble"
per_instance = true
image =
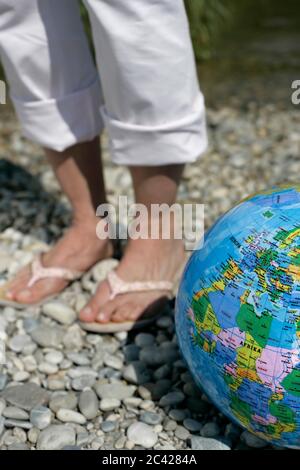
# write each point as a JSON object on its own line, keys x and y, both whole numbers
{"x": 55, "y": 437}
{"x": 142, "y": 434}
{"x": 144, "y": 339}
{"x": 59, "y": 312}
{"x": 40, "y": 417}
{"x": 54, "y": 357}
{"x": 26, "y": 396}
{"x": 113, "y": 361}
{"x": 70, "y": 416}
{"x": 116, "y": 390}
{"x": 47, "y": 336}
{"x": 210, "y": 430}
{"x": 136, "y": 373}
{"x": 80, "y": 383}
{"x": 15, "y": 423}
{"x": 109, "y": 404}
{"x": 253, "y": 441}
{"x": 3, "y": 381}
{"x": 108, "y": 426}
{"x": 151, "y": 418}
{"x": 192, "y": 425}
{"x": 172, "y": 399}
{"x": 19, "y": 342}
{"x": 13, "y": 412}
{"x": 182, "y": 433}
{"x": 204, "y": 443}
{"x": 63, "y": 400}
{"x": 88, "y": 404}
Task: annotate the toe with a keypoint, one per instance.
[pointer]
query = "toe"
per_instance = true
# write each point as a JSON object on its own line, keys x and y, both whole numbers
{"x": 91, "y": 310}
{"x": 24, "y": 296}
{"x": 128, "y": 311}
{"x": 107, "y": 311}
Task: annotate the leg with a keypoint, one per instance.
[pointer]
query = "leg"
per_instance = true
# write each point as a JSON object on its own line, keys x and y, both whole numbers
{"x": 79, "y": 171}
{"x": 56, "y": 93}
{"x": 154, "y": 113}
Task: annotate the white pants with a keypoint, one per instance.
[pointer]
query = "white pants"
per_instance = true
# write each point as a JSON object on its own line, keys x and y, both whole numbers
{"x": 146, "y": 92}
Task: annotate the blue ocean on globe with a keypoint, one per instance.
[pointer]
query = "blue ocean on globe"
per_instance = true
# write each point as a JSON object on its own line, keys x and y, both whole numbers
{"x": 238, "y": 315}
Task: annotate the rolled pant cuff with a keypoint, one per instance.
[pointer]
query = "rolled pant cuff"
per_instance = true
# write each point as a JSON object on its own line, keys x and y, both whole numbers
{"x": 61, "y": 123}
{"x": 177, "y": 142}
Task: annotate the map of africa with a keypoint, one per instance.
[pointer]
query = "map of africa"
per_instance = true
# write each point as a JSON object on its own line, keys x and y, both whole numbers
{"x": 238, "y": 315}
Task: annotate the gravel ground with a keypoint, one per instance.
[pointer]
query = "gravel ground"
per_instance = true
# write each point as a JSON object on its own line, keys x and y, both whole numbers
{"x": 64, "y": 388}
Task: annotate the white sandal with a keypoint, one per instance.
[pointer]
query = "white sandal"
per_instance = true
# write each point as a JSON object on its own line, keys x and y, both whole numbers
{"x": 118, "y": 287}
{"x": 39, "y": 272}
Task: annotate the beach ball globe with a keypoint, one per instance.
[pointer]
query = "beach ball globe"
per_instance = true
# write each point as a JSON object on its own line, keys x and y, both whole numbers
{"x": 238, "y": 315}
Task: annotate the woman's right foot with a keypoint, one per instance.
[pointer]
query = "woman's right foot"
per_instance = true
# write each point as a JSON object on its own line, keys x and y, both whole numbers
{"x": 78, "y": 250}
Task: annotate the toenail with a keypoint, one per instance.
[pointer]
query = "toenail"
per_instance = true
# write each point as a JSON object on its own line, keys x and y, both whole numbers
{"x": 101, "y": 317}
{"x": 87, "y": 311}
{"x": 9, "y": 295}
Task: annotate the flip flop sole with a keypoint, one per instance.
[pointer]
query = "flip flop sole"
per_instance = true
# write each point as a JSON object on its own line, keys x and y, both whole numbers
{"x": 113, "y": 327}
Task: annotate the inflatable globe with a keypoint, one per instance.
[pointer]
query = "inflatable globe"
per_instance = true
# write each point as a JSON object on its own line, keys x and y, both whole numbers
{"x": 238, "y": 315}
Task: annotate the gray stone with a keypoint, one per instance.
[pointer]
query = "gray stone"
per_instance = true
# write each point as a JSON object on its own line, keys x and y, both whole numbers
{"x": 253, "y": 441}
{"x": 192, "y": 425}
{"x": 210, "y": 429}
{"x": 182, "y": 433}
{"x": 204, "y": 443}
{"x": 109, "y": 404}
{"x": 59, "y": 312}
{"x": 136, "y": 373}
{"x": 78, "y": 358}
{"x": 85, "y": 381}
{"x": 63, "y": 400}
{"x": 108, "y": 426}
{"x": 40, "y": 417}
{"x": 151, "y": 418}
{"x": 144, "y": 339}
{"x": 70, "y": 416}
{"x": 113, "y": 362}
{"x": 26, "y": 396}
{"x": 3, "y": 381}
{"x": 131, "y": 352}
{"x": 88, "y": 404}
{"x": 177, "y": 415}
{"x": 18, "y": 446}
{"x": 15, "y": 423}
{"x": 13, "y": 412}
{"x": 2, "y": 420}
{"x": 142, "y": 434}
{"x": 18, "y": 342}
{"x": 116, "y": 390}
{"x": 55, "y": 437}
{"x": 172, "y": 399}
{"x": 47, "y": 336}
{"x": 29, "y": 324}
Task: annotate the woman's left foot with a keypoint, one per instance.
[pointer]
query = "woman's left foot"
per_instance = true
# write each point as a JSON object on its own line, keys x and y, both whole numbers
{"x": 143, "y": 260}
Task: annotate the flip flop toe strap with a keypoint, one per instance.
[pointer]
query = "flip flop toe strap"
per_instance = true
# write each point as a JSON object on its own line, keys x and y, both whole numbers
{"x": 118, "y": 286}
{"x": 40, "y": 272}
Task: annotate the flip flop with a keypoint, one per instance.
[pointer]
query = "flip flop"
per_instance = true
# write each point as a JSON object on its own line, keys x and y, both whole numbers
{"x": 39, "y": 272}
{"x": 118, "y": 287}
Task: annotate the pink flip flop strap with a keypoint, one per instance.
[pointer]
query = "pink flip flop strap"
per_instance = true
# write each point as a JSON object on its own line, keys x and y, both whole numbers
{"x": 118, "y": 286}
{"x": 40, "y": 272}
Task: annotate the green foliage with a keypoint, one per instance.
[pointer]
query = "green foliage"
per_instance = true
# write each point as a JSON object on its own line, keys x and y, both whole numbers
{"x": 208, "y": 19}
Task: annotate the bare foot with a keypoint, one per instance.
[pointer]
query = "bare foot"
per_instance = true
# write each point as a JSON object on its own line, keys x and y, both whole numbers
{"x": 79, "y": 249}
{"x": 144, "y": 260}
